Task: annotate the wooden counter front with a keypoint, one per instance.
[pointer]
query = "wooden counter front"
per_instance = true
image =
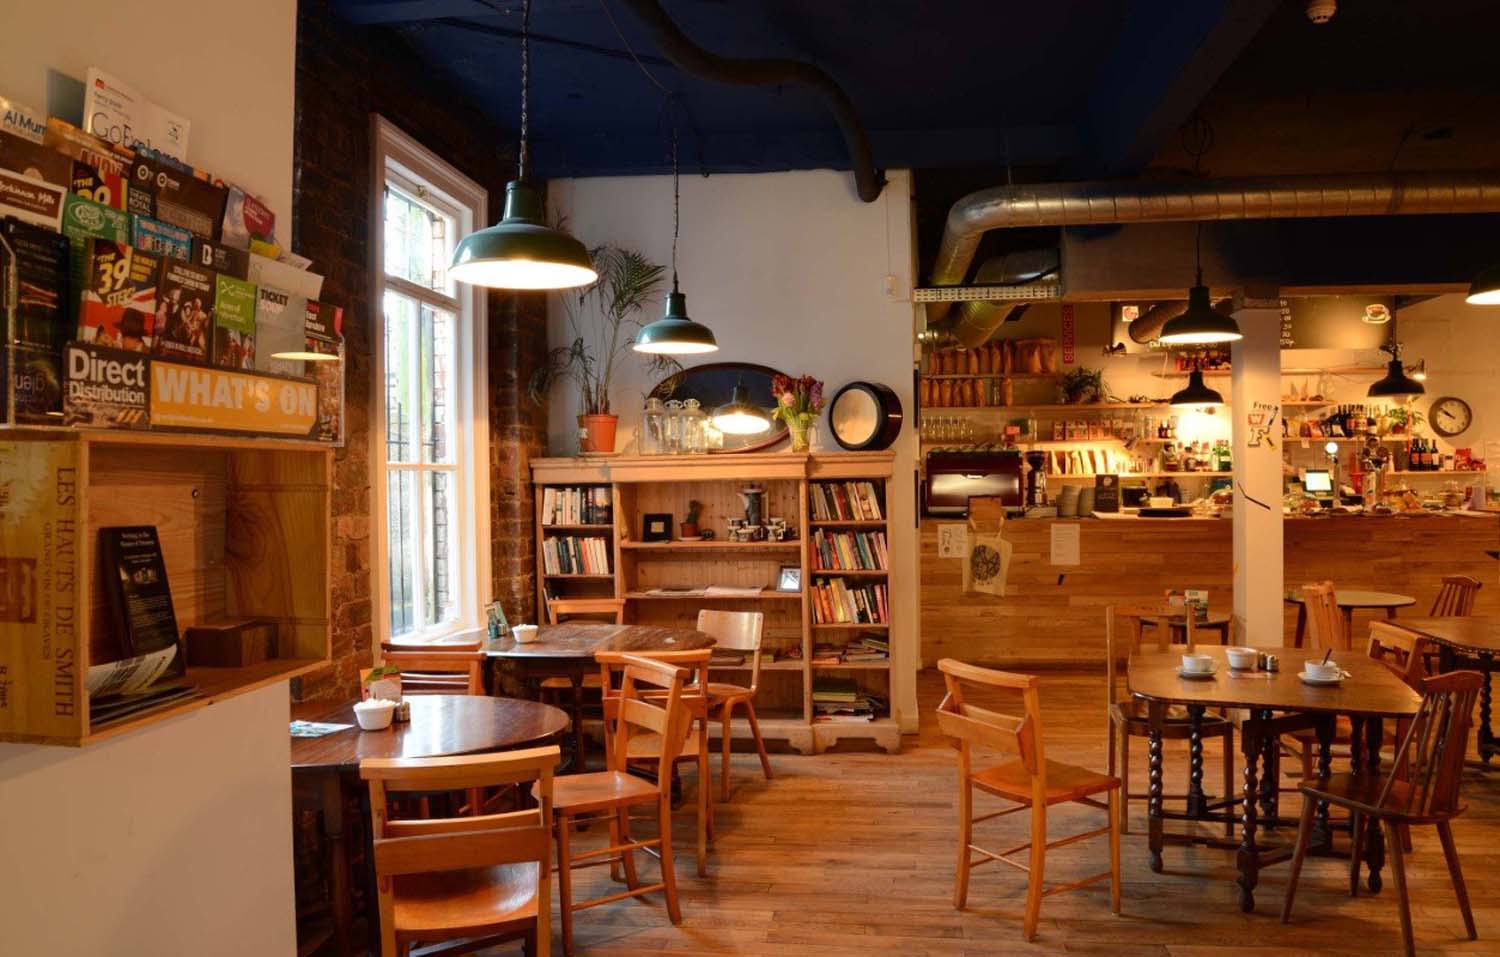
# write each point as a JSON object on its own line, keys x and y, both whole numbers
{"x": 1054, "y": 615}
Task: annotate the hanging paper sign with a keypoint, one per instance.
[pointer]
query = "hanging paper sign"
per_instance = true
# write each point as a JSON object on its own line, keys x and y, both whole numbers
{"x": 1068, "y": 334}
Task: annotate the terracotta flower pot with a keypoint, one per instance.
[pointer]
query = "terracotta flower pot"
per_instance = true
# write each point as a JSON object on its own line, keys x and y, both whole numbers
{"x": 599, "y": 432}
{"x": 688, "y": 529}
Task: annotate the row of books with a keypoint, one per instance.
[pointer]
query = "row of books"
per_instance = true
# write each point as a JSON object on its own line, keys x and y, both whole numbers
{"x": 846, "y": 551}
{"x": 585, "y": 505}
{"x": 841, "y": 700}
{"x": 844, "y": 502}
{"x": 864, "y": 649}
{"x": 570, "y": 555}
{"x": 836, "y": 603}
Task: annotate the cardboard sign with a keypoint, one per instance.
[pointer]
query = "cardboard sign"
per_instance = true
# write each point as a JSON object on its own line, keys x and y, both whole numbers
{"x": 227, "y": 400}
{"x": 1106, "y": 493}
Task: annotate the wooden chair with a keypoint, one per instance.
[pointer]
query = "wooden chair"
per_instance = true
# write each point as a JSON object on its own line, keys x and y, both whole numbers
{"x": 1027, "y": 778}
{"x": 1123, "y": 632}
{"x": 1326, "y": 625}
{"x": 1456, "y": 598}
{"x": 552, "y": 690}
{"x": 477, "y": 879}
{"x": 438, "y": 672}
{"x": 609, "y": 795}
{"x": 1403, "y": 652}
{"x": 1420, "y": 788}
{"x": 735, "y": 631}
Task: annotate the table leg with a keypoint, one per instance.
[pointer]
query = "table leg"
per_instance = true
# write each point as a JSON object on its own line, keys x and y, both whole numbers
{"x": 1301, "y": 630}
{"x": 1321, "y": 835}
{"x": 1156, "y": 713}
{"x": 1247, "y": 858}
{"x": 1195, "y": 797}
{"x": 1374, "y": 854}
{"x": 332, "y": 796}
{"x": 1349, "y": 625}
{"x": 1270, "y": 778}
{"x": 1486, "y": 731}
{"x": 575, "y": 678}
{"x": 1356, "y": 745}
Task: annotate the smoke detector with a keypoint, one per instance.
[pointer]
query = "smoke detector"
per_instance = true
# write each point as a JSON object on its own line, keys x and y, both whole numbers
{"x": 1321, "y": 11}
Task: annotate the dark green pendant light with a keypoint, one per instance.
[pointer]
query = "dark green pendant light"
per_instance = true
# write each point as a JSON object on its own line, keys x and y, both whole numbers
{"x": 1485, "y": 289}
{"x": 1396, "y": 382}
{"x": 1200, "y": 324}
{"x": 738, "y": 416}
{"x": 522, "y": 251}
{"x": 674, "y": 333}
{"x": 1197, "y": 395}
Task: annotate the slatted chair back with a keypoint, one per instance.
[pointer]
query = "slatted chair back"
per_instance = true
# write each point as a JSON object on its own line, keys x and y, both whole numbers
{"x": 437, "y": 845}
{"x": 736, "y": 631}
{"x": 970, "y": 725}
{"x": 1126, "y": 635}
{"x": 1456, "y": 598}
{"x": 1429, "y": 763}
{"x": 648, "y": 695}
{"x": 1325, "y": 622}
{"x": 438, "y": 672}
{"x": 1402, "y": 651}
{"x": 610, "y": 610}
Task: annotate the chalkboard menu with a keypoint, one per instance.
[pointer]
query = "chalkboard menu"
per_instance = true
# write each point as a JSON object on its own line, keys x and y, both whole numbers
{"x": 1336, "y": 322}
{"x": 1106, "y": 493}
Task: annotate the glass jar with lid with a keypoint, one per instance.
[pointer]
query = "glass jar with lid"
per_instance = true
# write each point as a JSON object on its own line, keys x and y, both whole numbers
{"x": 672, "y": 428}
{"x": 694, "y": 427}
{"x": 653, "y": 427}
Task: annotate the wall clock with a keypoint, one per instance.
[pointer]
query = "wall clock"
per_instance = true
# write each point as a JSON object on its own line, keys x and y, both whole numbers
{"x": 1449, "y": 416}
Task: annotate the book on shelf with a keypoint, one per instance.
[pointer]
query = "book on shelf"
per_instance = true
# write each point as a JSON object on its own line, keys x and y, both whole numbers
{"x": 674, "y": 591}
{"x": 852, "y": 501}
{"x": 836, "y": 603}
{"x": 573, "y": 555}
{"x": 849, "y": 551}
{"x": 733, "y": 591}
{"x": 584, "y": 505}
{"x": 840, "y": 700}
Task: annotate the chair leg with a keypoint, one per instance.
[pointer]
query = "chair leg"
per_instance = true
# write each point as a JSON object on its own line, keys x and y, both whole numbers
{"x": 728, "y": 747}
{"x": 705, "y": 789}
{"x": 1398, "y": 871}
{"x": 1124, "y": 781}
{"x": 1450, "y": 851}
{"x": 1114, "y": 850}
{"x": 1356, "y": 848}
{"x": 1035, "y": 877}
{"x": 565, "y": 882}
{"x": 579, "y": 760}
{"x": 668, "y": 870}
{"x": 760, "y": 743}
{"x": 965, "y": 838}
{"x": 627, "y": 858}
{"x": 1304, "y": 834}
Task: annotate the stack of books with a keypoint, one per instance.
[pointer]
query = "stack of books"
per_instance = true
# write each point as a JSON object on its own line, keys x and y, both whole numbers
{"x": 835, "y": 603}
{"x": 845, "y": 502}
{"x": 846, "y": 551}
{"x": 588, "y": 505}
{"x": 839, "y": 700}
{"x": 568, "y": 555}
{"x": 868, "y": 648}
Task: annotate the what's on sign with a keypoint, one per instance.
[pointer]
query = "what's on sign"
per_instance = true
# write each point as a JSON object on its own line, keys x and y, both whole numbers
{"x": 113, "y": 388}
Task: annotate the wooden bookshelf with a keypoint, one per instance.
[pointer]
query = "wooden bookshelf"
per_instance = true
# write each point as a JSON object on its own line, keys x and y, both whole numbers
{"x": 244, "y": 530}
{"x": 642, "y": 485}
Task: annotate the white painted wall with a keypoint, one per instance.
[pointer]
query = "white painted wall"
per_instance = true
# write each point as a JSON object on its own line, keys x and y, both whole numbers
{"x": 175, "y": 839}
{"x": 792, "y": 271}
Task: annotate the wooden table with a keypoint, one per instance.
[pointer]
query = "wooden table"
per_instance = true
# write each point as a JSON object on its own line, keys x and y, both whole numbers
{"x": 1471, "y": 642}
{"x": 1277, "y": 705}
{"x": 1348, "y": 599}
{"x": 1216, "y": 621}
{"x": 440, "y": 726}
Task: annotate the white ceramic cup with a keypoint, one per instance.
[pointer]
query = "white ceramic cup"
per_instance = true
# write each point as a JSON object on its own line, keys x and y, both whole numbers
{"x": 1315, "y": 668}
{"x": 375, "y": 714}
{"x": 525, "y": 634}
{"x": 1242, "y": 659}
{"x": 1197, "y": 664}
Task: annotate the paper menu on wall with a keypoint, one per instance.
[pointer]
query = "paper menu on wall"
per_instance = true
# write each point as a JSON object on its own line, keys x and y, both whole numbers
{"x": 1067, "y": 544}
{"x": 115, "y": 111}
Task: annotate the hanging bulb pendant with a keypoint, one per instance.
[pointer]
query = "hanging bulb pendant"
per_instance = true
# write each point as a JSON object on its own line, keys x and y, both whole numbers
{"x": 675, "y": 334}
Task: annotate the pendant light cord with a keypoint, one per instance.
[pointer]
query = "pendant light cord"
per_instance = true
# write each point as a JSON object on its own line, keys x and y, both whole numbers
{"x": 525, "y": 85}
{"x": 676, "y": 205}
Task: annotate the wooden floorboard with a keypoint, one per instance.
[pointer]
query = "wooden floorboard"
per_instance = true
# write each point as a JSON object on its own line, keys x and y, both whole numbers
{"x": 851, "y": 855}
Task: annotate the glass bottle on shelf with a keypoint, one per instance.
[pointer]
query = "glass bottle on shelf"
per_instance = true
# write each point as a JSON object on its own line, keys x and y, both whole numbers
{"x": 653, "y": 422}
{"x": 694, "y": 434}
{"x": 673, "y": 428}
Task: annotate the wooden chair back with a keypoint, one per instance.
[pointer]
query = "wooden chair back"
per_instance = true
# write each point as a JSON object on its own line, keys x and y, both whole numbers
{"x": 611, "y": 610}
{"x": 437, "y": 845}
{"x": 438, "y": 672}
{"x": 647, "y": 695}
{"x": 1430, "y": 759}
{"x": 398, "y": 645}
{"x": 1325, "y": 622}
{"x": 1125, "y": 635}
{"x": 1402, "y": 651}
{"x": 736, "y": 631}
{"x": 970, "y": 725}
{"x": 1456, "y": 598}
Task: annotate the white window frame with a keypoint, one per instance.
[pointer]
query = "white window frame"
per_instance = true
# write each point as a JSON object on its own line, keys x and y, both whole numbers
{"x": 399, "y": 160}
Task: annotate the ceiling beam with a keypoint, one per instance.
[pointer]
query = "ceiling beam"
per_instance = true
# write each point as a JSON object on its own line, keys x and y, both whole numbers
{"x": 1167, "y": 59}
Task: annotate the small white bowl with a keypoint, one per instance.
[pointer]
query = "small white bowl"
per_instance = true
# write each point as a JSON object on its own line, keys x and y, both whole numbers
{"x": 1197, "y": 664}
{"x": 375, "y": 715}
{"x": 1242, "y": 659}
{"x": 525, "y": 634}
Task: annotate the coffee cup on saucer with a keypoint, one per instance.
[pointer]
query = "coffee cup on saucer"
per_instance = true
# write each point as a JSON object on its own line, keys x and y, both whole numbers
{"x": 524, "y": 634}
{"x": 1197, "y": 664}
{"x": 1242, "y": 659}
{"x": 1319, "y": 670}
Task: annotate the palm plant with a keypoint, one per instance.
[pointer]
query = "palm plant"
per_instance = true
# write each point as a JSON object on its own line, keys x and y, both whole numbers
{"x": 603, "y": 320}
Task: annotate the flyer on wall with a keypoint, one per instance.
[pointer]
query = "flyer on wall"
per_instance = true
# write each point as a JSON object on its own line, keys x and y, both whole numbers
{"x": 115, "y": 111}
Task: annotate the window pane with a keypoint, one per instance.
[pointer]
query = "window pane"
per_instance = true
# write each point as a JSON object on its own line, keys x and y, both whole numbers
{"x": 437, "y": 503}
{"x": 418, "y": 241}
{"x": 438, "y": 384}
{"x": 402, "y": 376}
{"x": 401, "y": 514}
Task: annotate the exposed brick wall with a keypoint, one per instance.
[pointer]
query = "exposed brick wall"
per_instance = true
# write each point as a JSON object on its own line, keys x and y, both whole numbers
{"x": 345, "y": 73}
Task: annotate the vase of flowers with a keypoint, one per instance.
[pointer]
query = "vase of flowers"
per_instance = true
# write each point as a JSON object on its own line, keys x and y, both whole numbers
{"x": 798, "y": 403}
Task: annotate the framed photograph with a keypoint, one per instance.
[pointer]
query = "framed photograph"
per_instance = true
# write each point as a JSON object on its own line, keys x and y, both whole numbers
{"x": 789, "y": 578}
{"x": 656, "y": 527}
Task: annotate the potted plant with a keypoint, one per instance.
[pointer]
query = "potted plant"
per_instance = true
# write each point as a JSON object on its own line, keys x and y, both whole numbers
{"x": 798, "y": 404}
{"x": 1082, "y": 385}
{"x": 690, "y": 521}
{"x": 603, "y": 319}
{"x": 383, "y": 683}
{"x": 1404, "y": 419}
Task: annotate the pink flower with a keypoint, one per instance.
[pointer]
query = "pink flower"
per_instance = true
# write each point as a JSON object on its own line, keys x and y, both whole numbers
{"x": 787, "y": 399}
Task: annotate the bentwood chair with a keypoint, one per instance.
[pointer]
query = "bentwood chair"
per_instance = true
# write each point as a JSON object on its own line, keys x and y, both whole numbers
{"x": 553, "y": 689}
{"x": 1026, "y": 777}
{"x": 735, "y": 631}
{"x": 1456, "y": 598}
{"x": 1420, "y": 788}
{"x": 1124, "y": 632}
{"x": 609, "y": 795}
{"x": 482, "y": 879}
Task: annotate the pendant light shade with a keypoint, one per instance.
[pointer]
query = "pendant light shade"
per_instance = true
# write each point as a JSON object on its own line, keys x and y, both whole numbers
{"x": 522, "y": 251}
{"x": 1197, "y": 395}
{"x": 739, "y": 417}
{"x": 1201, "y": 324}
{"x": 1396, "y": 382}
{"x": 675, "y": 334}
{"x": 1485, "y": 289}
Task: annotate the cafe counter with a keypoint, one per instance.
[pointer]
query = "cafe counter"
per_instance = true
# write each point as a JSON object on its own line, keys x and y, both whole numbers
{"x": 1053, "y": 614}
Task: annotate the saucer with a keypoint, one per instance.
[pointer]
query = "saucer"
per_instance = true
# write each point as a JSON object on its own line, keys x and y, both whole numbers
{"x": 690, "y": 538}
{"x": 1310, "y": 680}
{"x": 1196, "y": 675}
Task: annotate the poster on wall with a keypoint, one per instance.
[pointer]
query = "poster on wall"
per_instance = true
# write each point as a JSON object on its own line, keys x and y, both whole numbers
{"x": 1336, "y": 322}
{"x": 228, "y": 400}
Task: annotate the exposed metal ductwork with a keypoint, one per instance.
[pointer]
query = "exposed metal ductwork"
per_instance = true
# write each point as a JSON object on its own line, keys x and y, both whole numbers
{"x": 764, "y": 71}
{"x": 974, "y": 322}
{"x": 1294, "y": 197}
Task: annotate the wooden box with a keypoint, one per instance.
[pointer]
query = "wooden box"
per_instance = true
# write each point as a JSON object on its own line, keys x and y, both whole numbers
{"x": 231, "y": 643}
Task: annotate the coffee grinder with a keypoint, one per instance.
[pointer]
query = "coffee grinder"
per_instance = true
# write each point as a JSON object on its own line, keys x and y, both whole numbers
{"x": 1036, "y": 478}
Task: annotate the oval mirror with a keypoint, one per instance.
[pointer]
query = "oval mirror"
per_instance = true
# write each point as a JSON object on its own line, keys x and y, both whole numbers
{"x": 713, "y": 385}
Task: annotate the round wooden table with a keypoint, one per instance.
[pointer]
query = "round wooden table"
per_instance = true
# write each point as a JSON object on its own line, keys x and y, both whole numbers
{"x": 441, "y": 725}
{"x": 1215, "y": 622}
{"x": 1348, "y": 599}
